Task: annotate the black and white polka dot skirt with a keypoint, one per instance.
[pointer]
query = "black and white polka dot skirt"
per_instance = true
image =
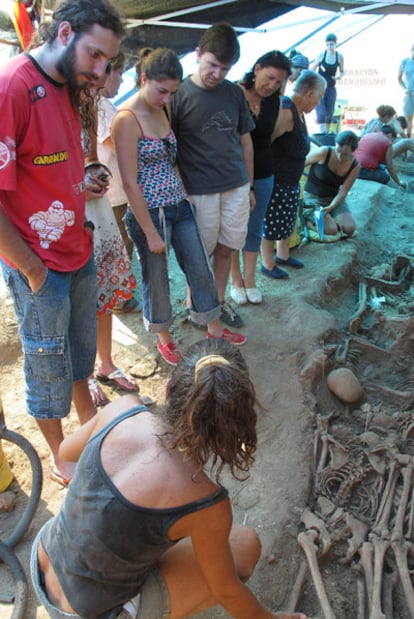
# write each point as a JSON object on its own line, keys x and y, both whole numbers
{"x": 280, "y": 218}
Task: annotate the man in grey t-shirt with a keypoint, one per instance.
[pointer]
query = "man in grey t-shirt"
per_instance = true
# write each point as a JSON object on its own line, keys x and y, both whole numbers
{"x": 212, "y": 123}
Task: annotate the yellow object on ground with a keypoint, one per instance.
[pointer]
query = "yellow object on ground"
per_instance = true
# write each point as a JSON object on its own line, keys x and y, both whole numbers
{"x": 6, "y": 476}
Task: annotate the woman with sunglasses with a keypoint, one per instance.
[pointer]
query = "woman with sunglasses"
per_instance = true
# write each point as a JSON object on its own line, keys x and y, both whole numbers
{"x": 159, "y": 212}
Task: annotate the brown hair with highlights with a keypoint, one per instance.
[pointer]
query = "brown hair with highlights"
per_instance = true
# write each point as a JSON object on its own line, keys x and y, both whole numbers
{"x": 211, "y": 408}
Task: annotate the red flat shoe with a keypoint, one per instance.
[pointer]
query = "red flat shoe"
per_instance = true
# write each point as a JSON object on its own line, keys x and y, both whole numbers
{"x": 169, "y": 352}
{"x": 238, "y": 339}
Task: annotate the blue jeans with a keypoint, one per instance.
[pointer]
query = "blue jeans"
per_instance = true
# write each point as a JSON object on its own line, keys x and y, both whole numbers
{"x": 57, "y": 327}
{"x": 262, "y": 192}
{"x": 325, "y": 109}
{"x": 177, "y": 227}
{"x": 380, "y": 174}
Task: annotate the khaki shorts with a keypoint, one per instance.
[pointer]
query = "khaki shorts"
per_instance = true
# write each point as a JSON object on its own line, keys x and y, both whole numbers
{"x": 223, "y": 217}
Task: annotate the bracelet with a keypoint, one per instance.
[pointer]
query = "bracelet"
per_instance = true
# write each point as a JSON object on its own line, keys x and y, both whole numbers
{"x": 251, "y": 187}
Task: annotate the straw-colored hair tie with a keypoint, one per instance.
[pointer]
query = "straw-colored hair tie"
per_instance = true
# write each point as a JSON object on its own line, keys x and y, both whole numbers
{"x": 209, "y": 360}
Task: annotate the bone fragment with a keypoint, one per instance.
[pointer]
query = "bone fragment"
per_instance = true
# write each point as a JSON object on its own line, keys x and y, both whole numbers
{"x": 307, "y": 541}
{"x": 312, "y": 521}
{"x": 359, "y": 532}
{"x": 356, "y": 317}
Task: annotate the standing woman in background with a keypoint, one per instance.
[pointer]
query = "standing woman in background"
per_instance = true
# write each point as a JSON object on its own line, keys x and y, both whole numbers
{"x": 261, "y": 87}
{"x": 329, "y": 64}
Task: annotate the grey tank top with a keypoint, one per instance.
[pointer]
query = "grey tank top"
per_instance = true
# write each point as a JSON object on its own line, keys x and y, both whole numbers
{"x": 101, "y": 545}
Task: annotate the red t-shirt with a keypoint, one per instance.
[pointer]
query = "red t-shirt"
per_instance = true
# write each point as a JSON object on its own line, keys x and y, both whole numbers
{"x": 371, "y": 150}
{"x": 42, "y": 189}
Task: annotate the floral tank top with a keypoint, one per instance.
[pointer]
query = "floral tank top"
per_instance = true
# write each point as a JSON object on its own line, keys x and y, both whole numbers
{"x": 157, "y": 177}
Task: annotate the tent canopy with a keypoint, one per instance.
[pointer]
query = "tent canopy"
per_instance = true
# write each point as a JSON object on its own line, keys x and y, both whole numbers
{"x": 178, "y": 23}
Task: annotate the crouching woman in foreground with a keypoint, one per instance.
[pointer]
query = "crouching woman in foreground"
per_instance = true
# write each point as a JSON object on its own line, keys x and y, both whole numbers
{"x": 143, "y": 529}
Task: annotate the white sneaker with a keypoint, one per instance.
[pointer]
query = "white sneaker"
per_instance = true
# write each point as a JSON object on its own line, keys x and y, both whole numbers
{"x": 238, "y": 295}
{"x": 254, "y": 295}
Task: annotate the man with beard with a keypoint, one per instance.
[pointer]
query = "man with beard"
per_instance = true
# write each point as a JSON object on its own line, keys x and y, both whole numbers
{"x": 45, "y": 247}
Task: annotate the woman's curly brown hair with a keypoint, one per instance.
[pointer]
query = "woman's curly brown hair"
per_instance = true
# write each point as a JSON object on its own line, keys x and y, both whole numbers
{"x": 211, "y": 408}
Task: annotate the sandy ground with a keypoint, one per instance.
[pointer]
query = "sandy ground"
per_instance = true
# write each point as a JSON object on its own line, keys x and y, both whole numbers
{"x": 290, "y": 340}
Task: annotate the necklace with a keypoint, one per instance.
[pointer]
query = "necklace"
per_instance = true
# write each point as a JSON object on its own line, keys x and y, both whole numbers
{"x": 254, "y": 100}
{"x": 255, "y": 106}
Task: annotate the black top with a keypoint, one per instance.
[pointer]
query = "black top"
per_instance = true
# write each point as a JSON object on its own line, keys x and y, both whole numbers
{"x": 324, "y": 183}
{"x": 290, "y": 149}
{"x": 261, "y": 135}
{"x": 327, "y": 70}
{"x": 101, "y": 545}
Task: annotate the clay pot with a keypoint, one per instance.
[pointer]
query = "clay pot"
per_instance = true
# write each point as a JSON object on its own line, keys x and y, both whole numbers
{"x": 345, "y": 385}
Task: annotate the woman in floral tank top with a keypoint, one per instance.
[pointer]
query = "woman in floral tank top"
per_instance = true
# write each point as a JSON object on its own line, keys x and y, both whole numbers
{"x": 160, "y": 213}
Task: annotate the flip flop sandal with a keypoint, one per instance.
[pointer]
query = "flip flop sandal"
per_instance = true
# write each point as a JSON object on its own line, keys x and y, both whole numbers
{"x": 98, "y": 396}
{"x": 115, "y": 380}
{"x": 58, "y": 478}
{"x": 131, "y": 305}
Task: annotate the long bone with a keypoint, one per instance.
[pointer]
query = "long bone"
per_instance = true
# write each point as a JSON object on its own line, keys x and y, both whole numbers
{"x": 366, "y": 557}
{"x": 398, "y": 531}
{"x": 384, "y": 510}
{"x": 307, "y": 541}
{"x": 360, "y": 597}
{"x": 400, "y": 545}
{"x": 400, "y": 549}
{"x": 410, "y": 525}
{"x": 322, "y": 434}
{"x": 390, "y": 580}
{"x": 296, "y": 591}
{"x": 380, "y": 548}
{"x": 380, "y": 540}
{"x": 311, "y": 521}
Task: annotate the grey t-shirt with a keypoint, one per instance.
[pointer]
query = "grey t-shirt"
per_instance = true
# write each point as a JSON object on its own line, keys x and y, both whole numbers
{"x": 208, "y": 125}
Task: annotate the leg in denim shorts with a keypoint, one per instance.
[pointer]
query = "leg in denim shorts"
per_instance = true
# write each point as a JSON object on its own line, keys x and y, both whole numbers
{"x": 57, "y": 327}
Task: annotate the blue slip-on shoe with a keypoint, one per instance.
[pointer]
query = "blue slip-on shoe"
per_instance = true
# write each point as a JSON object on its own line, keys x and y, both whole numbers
{"x": 290, "y": 262}
{"x": 274, "y": 273}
